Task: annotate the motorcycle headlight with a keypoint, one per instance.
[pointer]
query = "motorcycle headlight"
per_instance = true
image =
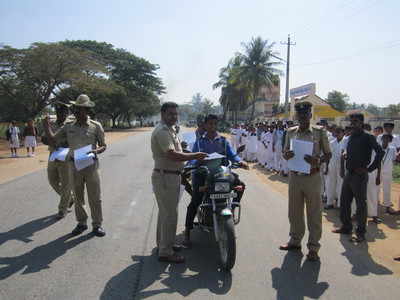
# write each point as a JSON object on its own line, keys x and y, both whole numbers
{"x": 222, "y": 187}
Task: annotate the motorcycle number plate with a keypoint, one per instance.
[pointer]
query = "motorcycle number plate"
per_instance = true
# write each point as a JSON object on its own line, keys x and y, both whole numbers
{"x": 223, "y": 196}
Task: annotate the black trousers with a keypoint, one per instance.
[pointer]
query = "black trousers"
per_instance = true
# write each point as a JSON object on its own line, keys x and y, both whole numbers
{"x": 354, "y": 186}
{"x": 197, "y": 196}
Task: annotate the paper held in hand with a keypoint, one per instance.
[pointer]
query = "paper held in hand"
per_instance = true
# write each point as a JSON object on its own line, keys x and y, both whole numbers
{"x": 82, "y": 159}
{"x": 300, "y": 149}
{"x": 59, "y": 154}
{"x": 214, "y": 155}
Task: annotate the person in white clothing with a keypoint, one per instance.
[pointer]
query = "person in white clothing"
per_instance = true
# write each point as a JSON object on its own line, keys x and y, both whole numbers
{"x": 13, "y": 136}
{"x": 277, "y": 146}
{"x": 252, "y": 145}
{"x": 267, "y": 141}
{"x": 373, "y": 187}
{"x": 388, "y": 129}
{"x": 387, "y": 169}
{"x": 235, "y": 137}
{"x": 334, "y": 180}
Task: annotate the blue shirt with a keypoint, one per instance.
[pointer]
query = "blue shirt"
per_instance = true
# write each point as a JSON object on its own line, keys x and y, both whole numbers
{"x": 219, "y": 144}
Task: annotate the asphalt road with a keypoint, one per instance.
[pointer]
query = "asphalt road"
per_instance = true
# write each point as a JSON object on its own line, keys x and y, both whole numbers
{"x": 39, "y": 260}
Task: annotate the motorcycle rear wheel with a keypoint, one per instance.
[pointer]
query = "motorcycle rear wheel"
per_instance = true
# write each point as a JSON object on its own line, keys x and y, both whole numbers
{"x": 227, "y": 242}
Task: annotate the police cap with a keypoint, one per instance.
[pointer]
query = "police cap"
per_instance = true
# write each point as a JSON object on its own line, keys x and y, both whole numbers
{"x": 303, "y": 107}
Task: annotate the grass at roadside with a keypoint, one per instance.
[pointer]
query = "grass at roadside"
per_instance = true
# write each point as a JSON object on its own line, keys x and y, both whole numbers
{"x": 396, "y": 173}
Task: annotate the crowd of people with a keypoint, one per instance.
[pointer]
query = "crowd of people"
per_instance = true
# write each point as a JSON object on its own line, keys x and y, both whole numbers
{"x": 28, "y": 137}
{"x": 359, "y": 167}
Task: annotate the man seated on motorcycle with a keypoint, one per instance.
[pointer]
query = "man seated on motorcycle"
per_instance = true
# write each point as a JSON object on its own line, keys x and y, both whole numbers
{"x": 210, "y": 142}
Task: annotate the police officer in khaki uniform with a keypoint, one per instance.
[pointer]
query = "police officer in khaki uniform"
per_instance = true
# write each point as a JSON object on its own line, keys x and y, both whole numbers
{"x": 306, "y": 188}
{"x": 166, "y": 179}
{"x": 78, "y": 134}
{"x": 58, "y": 172}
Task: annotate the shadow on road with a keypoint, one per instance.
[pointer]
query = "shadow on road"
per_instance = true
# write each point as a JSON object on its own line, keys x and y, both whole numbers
{"x": 295, "y": 281}
{"x": 148, "y": 277}
{"x": 40, "y": 257}
{"x": 359, "y": 257}
{"x": 24, "y": 232}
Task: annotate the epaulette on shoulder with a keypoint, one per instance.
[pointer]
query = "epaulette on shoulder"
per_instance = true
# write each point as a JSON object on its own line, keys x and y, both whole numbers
{"x": 294, "y": 128}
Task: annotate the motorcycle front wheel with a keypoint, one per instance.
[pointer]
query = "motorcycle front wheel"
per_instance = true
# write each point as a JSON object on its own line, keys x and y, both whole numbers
{"x": 227, "y": 242}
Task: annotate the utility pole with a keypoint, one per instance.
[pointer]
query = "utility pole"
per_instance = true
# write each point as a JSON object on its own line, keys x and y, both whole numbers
{"x": 288, "y": 43}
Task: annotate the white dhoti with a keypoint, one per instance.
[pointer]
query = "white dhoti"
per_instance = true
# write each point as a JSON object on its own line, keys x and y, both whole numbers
{"x": 333, "y": 183}
{"x": 372, "y": 195}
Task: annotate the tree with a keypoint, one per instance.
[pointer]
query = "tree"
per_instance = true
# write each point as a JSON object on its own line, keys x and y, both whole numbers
{"x": 208, "y": 107}
{"x": 258, "y": 68}
{"x": 30, "y": 78}
{"x": 393, "y": 110}
{"x": 338, "y": 100}
{"x": 234, "y": 93}
{"x": 136, "y": 75}
{"x": 197, "y": 103}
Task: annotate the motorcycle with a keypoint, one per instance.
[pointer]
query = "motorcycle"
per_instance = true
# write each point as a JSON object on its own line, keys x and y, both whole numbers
{"x": 218, "y": 211}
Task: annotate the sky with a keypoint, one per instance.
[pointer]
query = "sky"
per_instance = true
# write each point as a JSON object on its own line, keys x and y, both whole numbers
{"x": 348, "y": 45}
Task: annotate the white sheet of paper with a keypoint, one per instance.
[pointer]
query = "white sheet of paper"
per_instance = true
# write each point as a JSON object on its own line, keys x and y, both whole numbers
{"x": 300, "y": 148}
{"x": 59, "y": 154}
{"x": 82, "y": 159}
{"x": 214, "y": 155}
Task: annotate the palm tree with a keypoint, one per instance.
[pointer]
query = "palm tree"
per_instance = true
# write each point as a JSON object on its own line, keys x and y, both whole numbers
{"x": 234, "y": 93}
{"x": 258, "y": 68}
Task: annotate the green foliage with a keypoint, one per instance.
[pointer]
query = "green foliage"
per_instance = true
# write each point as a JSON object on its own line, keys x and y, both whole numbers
{"x": 396, "y": 173}
{"x": 29, "y": 78}
{"x": 122, "y": 85}
{"x": 338, "y": 100}
{"x": 246, "y": 73}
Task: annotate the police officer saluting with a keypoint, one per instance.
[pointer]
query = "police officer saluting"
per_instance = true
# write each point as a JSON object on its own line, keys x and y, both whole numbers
{"x": 78, "y": 134}
{"x": 306, "y": 188}
{"x": 166, "y": 179}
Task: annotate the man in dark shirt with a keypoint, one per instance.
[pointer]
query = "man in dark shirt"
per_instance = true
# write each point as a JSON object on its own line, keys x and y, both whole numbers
{"x": 358, "y": 158}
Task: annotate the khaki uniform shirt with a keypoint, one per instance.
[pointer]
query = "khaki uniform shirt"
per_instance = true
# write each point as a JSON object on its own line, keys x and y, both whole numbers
{"x": 60, "y": 142}
{"x": 77, "y": 136}
{"x": 164, "y": 139}
{"x": 315, "y": 134}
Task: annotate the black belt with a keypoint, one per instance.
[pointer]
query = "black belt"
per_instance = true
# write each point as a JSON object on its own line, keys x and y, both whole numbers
{"x": 168, "y": 171}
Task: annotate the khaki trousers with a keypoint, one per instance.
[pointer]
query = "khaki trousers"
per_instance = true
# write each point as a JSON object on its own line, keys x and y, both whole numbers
{"x": 91, "y": 178}
{"x": 59, "y": 176}
{"x": 166, "y": 188}
{"x": 305, "y": 190}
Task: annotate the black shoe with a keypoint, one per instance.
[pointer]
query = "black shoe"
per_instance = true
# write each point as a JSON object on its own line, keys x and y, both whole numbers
{"x": 358, "y": 239}
{"x": 376, "y": 220}
{"x": 98, "y": 231}
{"x": 79, "y": 229}
{"x": 60, "y": 215}
{"x": 342, "y": 231}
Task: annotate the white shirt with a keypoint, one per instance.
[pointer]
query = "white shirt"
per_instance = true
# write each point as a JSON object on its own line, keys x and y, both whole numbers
{"x": 395, "y": 142}
{"x": 278, "y": 137}
{"x": 268, "y": 139}
{"x": 387, "y": 160}
{"x": 345, "y": 142}
{"x": 336, "y": 149}
{"x": 252, "y": 142}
